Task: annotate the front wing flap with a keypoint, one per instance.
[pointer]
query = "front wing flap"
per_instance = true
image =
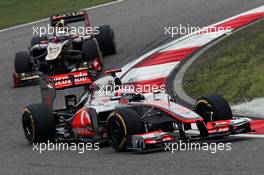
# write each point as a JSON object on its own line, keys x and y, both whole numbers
{"x": 25, "y": 79}
{"x": 152, "y": 140}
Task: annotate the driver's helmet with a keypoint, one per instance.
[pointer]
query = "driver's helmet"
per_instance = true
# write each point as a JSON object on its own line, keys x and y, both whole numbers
{"x": 61, "y": 28}
{"x": 61, "y": 24}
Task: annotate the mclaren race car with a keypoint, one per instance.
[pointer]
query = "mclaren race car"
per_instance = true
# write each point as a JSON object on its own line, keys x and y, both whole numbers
{"x": 63, "y": 52}
{"x": 127, "y": 120}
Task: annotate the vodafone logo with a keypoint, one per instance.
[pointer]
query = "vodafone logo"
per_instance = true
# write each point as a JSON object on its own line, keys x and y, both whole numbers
{"x": 85, "y": 118}
{"x": 82, "y": 123}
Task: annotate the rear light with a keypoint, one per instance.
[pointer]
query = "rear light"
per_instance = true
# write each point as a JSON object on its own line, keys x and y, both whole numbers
{"x": 151, "y": 141}
{"x": 167, "y": 138}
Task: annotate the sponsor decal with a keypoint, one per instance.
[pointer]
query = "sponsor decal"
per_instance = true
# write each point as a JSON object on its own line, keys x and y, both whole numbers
{"x": 82, "y": 124}
{"x": 85, "y": 117}
{"x": 71, "y": 79}
{"x": 69, "y": 14}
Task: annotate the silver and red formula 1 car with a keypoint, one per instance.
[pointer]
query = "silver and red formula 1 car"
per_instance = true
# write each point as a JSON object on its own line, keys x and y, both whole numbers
{"x": 127, "y": 120}
{"x": 65, "y": 51}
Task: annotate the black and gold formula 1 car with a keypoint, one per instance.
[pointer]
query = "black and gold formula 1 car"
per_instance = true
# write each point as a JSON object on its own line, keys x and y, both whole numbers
{"x": 64, "y": 51}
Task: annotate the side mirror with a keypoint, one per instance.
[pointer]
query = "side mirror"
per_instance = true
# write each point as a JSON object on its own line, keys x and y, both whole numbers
{"x": 113, "y": 72}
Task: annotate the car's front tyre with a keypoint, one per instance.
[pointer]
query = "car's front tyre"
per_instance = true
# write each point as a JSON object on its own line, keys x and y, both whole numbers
{"x": 22, "y": 62}
{"x": 213, "y": 108}
{"x": 38, "y": 123}
{"x": 91, "y": 50}
{"x": 121, "y": 124}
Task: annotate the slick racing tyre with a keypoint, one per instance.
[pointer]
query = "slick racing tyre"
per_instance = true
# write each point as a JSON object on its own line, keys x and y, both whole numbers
{"x": 106, "y": 40}
{"x": 22, "y": 62}
{"x": 213, "y": 108}
{"x": 91, "y": 50}
{"x": 121, "y": 124}
{"x": 38, "y": 123}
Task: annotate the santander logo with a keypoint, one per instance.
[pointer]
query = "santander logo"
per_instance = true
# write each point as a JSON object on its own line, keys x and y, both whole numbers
{"x": 75, "y": 78}
{"x": 65, "y": 79}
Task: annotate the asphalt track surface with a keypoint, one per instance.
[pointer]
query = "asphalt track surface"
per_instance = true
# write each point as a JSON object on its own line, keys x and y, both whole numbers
{"x": 139, "y": 27}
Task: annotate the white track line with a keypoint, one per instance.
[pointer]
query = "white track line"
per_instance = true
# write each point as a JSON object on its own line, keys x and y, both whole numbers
{"x": 103, "y": 5}
{"x": 197, "y": 40}
{"x": 46, "y": 19}
{"x": 250, "y": 135}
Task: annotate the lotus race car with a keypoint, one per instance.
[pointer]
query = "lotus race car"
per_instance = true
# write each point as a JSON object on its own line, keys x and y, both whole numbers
{"x": 64, "y": 52}
{"x": 125, "y": 119}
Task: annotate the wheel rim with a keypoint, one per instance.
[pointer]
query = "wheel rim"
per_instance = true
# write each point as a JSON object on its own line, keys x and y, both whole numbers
{"x": 28, "y": 126}
{"x": 205, "y": 111}
{"x": 116, "y": 132}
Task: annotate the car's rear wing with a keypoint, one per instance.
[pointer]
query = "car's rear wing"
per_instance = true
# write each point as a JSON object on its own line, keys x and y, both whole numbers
{"x": 71, "y": 18}
{"x": 50, "y": 84}
{"x": 69, "y": 80}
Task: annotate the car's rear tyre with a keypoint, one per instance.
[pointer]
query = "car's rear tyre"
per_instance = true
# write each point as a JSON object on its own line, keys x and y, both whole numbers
{"x": 91, "y": 50}
{"x": 213, "y": 108}
{"x": 77, "y": 44}
{"x": 106, "y": 40}
{"x": 22, "y": 62}
{"x": 38, "y": 123}
{"x": 121, "y": 124}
